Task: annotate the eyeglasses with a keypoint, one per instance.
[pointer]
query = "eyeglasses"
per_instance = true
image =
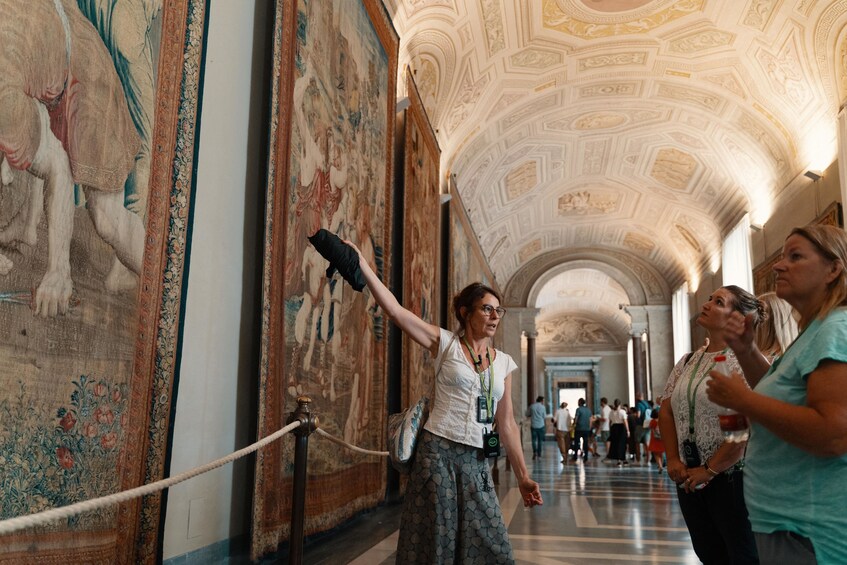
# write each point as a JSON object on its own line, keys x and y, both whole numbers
{"x": 488, "y": 309}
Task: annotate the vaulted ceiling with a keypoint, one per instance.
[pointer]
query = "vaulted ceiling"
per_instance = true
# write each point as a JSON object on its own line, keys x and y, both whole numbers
{"x": 643, "y": 128}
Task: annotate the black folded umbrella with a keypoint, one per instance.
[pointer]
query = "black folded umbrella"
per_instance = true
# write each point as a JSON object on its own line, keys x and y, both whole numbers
{"x": 341, "y": 257}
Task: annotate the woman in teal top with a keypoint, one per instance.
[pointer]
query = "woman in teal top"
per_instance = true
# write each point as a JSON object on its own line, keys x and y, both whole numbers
{"x": 795, "y": 481}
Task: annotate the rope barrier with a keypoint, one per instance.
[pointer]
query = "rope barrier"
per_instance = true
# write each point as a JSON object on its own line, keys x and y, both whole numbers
{"x": 41, "y": 518}
{"x": 343, "y": 443}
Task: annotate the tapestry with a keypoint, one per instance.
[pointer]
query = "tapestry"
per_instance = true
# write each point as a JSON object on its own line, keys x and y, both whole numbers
{"x": 332, "y": 135}
{"x": 421, "y": 239}
{"x": 467, "y": 263}
{"x": 97, "y": 142}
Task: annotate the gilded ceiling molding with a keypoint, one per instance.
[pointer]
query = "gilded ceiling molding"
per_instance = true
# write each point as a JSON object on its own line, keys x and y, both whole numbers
{"x": 555, "y": 17}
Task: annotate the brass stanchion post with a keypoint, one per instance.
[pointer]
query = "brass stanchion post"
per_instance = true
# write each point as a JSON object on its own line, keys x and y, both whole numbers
{"x": 308, "y": 424}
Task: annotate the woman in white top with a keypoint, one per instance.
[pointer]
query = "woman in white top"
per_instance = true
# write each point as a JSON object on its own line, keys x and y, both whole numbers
{"x": 705, "y": 466}
{"x": 451, "y": 512}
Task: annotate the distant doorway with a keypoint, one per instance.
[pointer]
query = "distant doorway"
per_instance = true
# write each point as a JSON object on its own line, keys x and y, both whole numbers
{"x": 571, "y": 394}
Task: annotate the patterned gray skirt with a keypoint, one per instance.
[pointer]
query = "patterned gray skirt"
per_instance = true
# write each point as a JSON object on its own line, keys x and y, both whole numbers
{"x": 450, "y": 512}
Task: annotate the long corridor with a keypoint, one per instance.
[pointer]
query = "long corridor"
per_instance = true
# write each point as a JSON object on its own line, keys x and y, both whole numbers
{"x": 593, "y": 513}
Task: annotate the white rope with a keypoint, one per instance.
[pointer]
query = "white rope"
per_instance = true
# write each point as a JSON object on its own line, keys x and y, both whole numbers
{"x": 40, "y": 518}
{"x": 341, "y": 442}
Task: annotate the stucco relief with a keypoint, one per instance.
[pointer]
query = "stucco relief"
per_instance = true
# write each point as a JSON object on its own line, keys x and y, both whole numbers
{"x": 747, "y": 168}
{"x": 639, "y": 243}
{"x": 469, "y": 94}
{"x": 529, "y": 111}
{"x": 521, "y": 179}
{"x": 599, "y": 120}
{"x": 685, "y": 139}
{"x": 785, "y": 73}
{"x": 466, "y": 35}
{"x": 516, "y": 137}
{"x": 673, "y": 168}
{"x": 689, "y": 238}
{"x": 841, "y": 71}
{"x": 615, "y": 5}
{"x": 727, "y": 81}
{"x": 504, "y": 102}
{"x": 554, "y": 18}
{"x": 752, "y": 128}
{"x": 701, "y": 41}
{"x": 533, "y": 58}
{"x": 587, "y": 203}
{"x": 528, "y": 250}
{"x": 473, "y": 180}
{"x": 631, "y": 159}
{"x": 594, "y": 157}
{"x": 759, "y": 13}
{"x": 613, "y": 60}
{"x": 426, "y": 79}
{"x": 574, "y": 331}
{"x": 492, "y": 19}
{"x": 616, "y": 89}
{"x": 648, "y": 280}
{"x": 518, "y": 154}
{"x": 700, "y": 98}
{"x": 829, "y": 26}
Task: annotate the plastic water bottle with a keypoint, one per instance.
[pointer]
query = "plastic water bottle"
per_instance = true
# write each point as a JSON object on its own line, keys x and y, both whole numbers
{"x": 733, "y": 425}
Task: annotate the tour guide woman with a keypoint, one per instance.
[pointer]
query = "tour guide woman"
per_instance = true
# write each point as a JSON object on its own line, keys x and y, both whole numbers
{"x": 796, "y": 474}
{"x": 451, "y": 512}
{"x": 705, "y": 467}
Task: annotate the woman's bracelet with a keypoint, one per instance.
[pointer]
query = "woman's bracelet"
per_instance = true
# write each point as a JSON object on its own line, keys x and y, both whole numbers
{"x": 710, "y": 470}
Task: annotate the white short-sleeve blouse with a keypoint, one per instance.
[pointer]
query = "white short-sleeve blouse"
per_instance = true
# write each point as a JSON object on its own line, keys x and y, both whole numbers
{"x": 457, "y": 387}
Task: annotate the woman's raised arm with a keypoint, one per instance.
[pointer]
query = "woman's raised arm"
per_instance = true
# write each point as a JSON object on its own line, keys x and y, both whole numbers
{"x": 420, "y": 331}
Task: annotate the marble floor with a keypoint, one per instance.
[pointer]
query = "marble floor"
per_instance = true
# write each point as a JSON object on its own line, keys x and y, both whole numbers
{"x": 593, "y": 513}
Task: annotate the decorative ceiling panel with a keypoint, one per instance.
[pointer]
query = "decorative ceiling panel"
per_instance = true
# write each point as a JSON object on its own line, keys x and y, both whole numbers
{"x": 638, "y": 128}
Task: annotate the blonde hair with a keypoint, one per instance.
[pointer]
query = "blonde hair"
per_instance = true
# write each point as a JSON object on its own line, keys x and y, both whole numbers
{"x": 779, "y": 328}
{"x": 831, "y": 243}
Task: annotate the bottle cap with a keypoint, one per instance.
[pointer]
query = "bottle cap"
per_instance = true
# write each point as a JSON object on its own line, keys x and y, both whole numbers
{"x": 720, "y": 358}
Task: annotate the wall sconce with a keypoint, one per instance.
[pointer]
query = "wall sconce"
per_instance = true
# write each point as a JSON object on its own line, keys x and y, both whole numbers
{"x": 814, "y": 175}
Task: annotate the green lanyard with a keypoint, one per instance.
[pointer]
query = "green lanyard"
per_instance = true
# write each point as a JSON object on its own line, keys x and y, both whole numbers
{"x": 693, "y": 397}
{"x": 489, "y": 392}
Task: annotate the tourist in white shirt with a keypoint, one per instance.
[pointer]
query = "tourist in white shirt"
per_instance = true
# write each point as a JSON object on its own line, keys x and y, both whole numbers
{"x": 562, "y": 421}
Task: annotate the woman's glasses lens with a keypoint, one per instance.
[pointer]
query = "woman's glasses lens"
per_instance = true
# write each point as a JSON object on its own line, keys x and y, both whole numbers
{"x": 488, "y": 309}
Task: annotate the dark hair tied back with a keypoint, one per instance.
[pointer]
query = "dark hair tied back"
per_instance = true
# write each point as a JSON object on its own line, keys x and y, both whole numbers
{"x": 746, "y": 303}
{"x": 469, "y": 296}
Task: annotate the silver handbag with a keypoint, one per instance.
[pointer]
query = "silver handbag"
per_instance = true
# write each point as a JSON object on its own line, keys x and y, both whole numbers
{"x": 405, "y": 427}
